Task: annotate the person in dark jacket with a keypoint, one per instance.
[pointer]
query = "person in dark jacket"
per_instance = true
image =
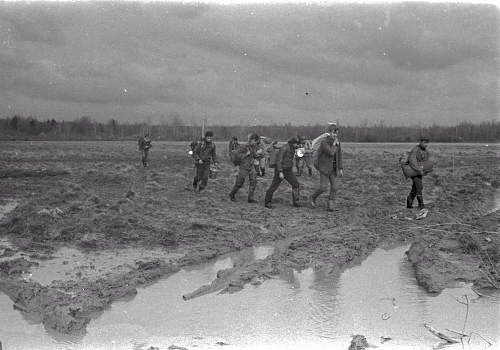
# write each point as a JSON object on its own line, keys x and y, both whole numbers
{"x": 247, "y": 154}
{"x": 272, "y": 153}
{"x": 417, "y": 156}
{"x": 284, "y": 170}
{"x": 233, "y": 145}
{"x": 204, "y": 154}
{"x": 328, "y": 161}
{"x": 144, "y": 146}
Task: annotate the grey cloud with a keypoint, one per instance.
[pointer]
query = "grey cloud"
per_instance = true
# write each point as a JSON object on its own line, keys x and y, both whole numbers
{"x": 248, "y": 60}
{"x": 31, "y": 22}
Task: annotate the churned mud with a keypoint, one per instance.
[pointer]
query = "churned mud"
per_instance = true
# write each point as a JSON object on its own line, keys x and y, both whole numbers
{"x": 90, "y": 225}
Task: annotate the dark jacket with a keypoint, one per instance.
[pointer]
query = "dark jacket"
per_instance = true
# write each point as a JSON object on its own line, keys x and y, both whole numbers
{"x": 272, "y": 154}
{"x": 284, "y": 159}
{"x": 144, "y": 143}
{"x": 205, "y": 151}
{"x": 416, "y": 157}
{"x": 247, "y": 154}
{"x": 328, "y": 158}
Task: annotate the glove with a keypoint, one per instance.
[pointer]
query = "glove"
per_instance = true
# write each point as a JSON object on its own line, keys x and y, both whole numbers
{"x": 281, "y": 175}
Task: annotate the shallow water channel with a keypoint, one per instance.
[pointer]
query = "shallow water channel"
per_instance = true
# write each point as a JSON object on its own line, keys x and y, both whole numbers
{"x": 301, "y": 310}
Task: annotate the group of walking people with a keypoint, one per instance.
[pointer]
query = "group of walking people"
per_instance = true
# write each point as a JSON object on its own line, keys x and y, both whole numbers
{"x": 252, "y": 157}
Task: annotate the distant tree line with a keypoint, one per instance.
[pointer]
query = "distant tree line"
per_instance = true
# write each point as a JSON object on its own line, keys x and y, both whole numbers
{"x": 29, "y": 128}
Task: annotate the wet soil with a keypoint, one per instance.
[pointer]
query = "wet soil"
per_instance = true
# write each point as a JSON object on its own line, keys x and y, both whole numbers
{"x": 96, "y": 198}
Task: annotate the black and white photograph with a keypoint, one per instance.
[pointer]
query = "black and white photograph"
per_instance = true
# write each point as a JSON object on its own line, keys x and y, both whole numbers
{"x": 250, "y": 174}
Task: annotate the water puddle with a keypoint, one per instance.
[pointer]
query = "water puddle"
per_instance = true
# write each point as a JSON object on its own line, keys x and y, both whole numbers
{"x": 71, "y": 263}
{"x": 302, "y": 310}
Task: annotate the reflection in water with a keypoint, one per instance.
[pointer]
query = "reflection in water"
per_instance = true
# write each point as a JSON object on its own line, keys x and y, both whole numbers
{"x": 302, "y": 310}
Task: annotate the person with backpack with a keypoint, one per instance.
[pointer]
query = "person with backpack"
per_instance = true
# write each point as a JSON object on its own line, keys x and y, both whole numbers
{"x": 144, "y": 145}
{"x": 233, "y": 145}
{"x": 244, "y": 157}
{"x": 204, "y": 154}
{"x": 260, "y": 164}
{"x": 418, "y": 160}
{"x": 284, "y": 170}
{"x": 328, "y": 161}
{"x": 307, "y": 156}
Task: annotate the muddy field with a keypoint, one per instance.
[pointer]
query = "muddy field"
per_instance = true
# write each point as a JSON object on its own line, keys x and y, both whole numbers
{"x": 82, "y": 224}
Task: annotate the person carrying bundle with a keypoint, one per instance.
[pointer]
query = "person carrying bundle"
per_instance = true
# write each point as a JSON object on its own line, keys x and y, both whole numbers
{"x": 328, "y": 161}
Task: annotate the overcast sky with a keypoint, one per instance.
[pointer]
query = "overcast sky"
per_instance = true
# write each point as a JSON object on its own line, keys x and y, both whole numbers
{"x": 247, "y": 64}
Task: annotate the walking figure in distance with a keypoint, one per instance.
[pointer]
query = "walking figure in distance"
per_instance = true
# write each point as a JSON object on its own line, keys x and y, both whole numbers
{"x": 204, "y": 154}
{"x": 328, "y": 161}
{"x": 245, "y": 157}
{"x": 307, "y": 160}
{"x": 233, "y": 145}
{"x": 260, "y": 163}
{"x": 144, "y": 146}
{"x": 418, "y": 160}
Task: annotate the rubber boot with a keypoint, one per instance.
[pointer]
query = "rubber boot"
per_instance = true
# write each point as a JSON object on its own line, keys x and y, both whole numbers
{"x": 313, "y": 202}
{"x": 232, "y": 195}
{"x": 329, "y": 205}
{"x": 409, "y": 201}
{"x": 250, "y": 197}
{"x": 295, "y": 197}
{"x": 420, "y": 200}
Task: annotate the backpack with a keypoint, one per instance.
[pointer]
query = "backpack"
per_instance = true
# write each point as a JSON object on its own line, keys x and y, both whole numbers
{"x": 315, "y": 146}
{"x": 235, "y": 158}
{"x": 404, "y": 159}
{"x": 193, "y": 145}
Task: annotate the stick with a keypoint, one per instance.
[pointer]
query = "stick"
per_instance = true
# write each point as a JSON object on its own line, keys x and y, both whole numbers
{"x": 467, "y": 312}
{"x": 480, "y": 294}
{"x": 489, "y": 279}
{"x": 441, "y": 335}
{"x": 480, "y": 336}
{"x": 457, "y": 332}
